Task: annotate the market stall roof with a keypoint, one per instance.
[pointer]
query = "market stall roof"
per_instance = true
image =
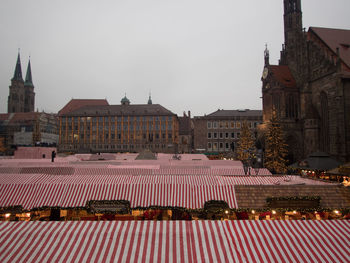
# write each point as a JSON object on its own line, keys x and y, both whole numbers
{"x": 317, "y": 161}
{"x": 175, "y": 241}
{"x": 343, "y": 170}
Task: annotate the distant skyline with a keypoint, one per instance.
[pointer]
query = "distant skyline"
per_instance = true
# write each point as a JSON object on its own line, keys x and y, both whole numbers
{"x": 190, "y": 55}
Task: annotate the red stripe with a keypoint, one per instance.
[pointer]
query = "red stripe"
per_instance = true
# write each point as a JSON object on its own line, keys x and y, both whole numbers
{"x": 160, "y": 241}
{"x": 200, "y": 241}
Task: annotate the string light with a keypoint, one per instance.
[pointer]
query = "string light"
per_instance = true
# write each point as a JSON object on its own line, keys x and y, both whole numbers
{"x": 7, "y": 215}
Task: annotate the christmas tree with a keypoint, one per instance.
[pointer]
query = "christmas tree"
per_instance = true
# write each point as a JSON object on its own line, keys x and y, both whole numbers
{"x": 275, "y": 148}
{"x": 246, "y": 145}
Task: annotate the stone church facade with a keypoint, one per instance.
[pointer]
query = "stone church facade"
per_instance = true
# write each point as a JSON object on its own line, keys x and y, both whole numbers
{"x": 309, "y": 90}
{"x": 21, "y": 94}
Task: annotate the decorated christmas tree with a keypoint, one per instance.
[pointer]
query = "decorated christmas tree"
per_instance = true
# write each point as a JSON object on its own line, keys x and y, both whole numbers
{"x": 246, "y": 144}
{"x": 275, "y": 148}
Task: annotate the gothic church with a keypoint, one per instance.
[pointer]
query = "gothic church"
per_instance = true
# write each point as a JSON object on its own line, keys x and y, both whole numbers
{"x": 21, "y": 96}
{"x": 309, "y": 90}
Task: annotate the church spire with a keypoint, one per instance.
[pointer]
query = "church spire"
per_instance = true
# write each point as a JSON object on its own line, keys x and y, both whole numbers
{"x": 149, "y": 99}
{"x": 29, "y": 81}
{"x": 266, "y": 56}
{"x": 18, "y": 70}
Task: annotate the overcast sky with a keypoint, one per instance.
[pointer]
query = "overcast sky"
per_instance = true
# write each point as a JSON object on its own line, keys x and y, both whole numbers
{"x": 197, "y": 55}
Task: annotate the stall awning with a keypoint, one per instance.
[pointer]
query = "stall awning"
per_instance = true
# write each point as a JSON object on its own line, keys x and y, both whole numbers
{"x": 175, "y": 241}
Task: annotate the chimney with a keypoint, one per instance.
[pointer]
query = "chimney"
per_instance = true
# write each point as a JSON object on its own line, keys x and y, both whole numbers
{"x": 189, "y": 114}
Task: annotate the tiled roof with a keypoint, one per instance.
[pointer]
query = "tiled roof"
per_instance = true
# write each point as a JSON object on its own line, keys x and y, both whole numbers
{"x": 335, "y": 38}
{"x": 118, "y": 110}
{"x": 254, "y": 196}
{"x": 283, "y": 75}
{"x": 75, "y": 104}
{"x": 236, "y": 113}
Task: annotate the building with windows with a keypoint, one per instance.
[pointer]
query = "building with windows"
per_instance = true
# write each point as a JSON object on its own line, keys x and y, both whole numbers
{"x": 309, "y": 90}
{"x": 28, "y": 129}
{"x": 96, "y": 126}
{"x": 219, "y": 131}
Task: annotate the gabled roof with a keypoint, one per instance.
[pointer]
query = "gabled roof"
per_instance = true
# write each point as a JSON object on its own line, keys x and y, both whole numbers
{"x": 235, "y": 113}
{"x": 119, "y": 110}
{"x": 335, "y": 38}
{"x": 75, "y": 104}
{"x": 283, "y": 75}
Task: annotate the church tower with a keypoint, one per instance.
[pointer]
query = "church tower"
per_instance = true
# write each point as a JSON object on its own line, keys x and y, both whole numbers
{"x": 29, "y": 97}
{"x": 294, "y": 39}
{"x": 21, "y": 95}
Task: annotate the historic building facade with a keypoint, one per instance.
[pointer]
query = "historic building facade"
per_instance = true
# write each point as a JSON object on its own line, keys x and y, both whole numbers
{"x": 28, "y": 129}
{"x": 220, "y": 131}
{"x": 309, "y": 90}
{"x": 95, "y": 126}
{"x": 21, "y": 95}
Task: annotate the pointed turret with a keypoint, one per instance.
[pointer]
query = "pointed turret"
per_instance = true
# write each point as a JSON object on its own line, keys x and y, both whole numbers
{"x": 29, "y": 81}
{"x": 18, "y": 70}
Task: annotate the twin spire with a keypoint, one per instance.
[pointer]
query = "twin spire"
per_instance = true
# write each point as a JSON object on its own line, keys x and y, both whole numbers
{"x": 18, "y": 72}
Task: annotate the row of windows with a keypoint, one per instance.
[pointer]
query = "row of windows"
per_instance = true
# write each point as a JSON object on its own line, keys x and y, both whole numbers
{"x": 229, "y": 124}
{"x": 123, "y": 147}
{"x": 226, "y": 135}
{"x": 118, "y": 136}
{"x": 125, "y": 127}
{"x": 118, "y": 119}
{"x": 221, "y": 135}
{"x": 221, "y": 146}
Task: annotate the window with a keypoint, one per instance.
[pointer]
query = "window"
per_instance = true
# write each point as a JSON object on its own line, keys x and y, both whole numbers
{"x": 238, "y": 135}
{"x": 221, "y": 125}
{"x": 227, "y": 146}
{"x": 232, "y": 124}
{"x": 221, "y": 135}
{"x": 221, "y": 145}
{"x": 215, "y": 146}
{"x": 226, "y": 125}
{"x": 209, "y": 145}
{"x": 232, "y": 135}
{"x": 238, "y": 125}
{"x": 209, "y": 135}
{"x": 215, "y": 125}
{"x": 215, "y": 135}
{"x": 209, "y": 125}
{"x": 226, "y": 135}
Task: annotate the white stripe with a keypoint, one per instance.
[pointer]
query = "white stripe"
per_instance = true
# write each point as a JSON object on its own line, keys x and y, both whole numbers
{"x": 114, "y": 239}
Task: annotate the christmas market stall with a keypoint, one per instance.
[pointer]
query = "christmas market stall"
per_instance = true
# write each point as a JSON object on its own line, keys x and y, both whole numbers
{"x": 175, "y": 241}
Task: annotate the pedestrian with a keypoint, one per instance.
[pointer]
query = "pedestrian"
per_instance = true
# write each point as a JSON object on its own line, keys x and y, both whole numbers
{"x": 53, "y": 155}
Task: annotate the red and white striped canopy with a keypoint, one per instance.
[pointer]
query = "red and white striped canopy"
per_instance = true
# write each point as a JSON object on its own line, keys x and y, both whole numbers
{"x": 175, "y": 241}
{"x": 74, "y": 190}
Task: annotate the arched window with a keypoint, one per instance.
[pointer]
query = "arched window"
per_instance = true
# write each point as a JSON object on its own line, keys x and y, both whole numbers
{"x": 276, "y": 104}
{"x": 324, "y": 122}
{"x": 292, "y": 111}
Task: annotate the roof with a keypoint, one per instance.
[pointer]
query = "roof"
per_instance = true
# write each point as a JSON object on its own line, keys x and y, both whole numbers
{"x": 254, "y": 196}
{"x": 236, "y": 113}
{"x": 146, "y": 155}
{"x": 176, "y": 241}
{"x": 283, "y": 75}
{"x": 317, "y": 161}
{"x": 29, "y": 80}
{"x": 75, "y": 104}
{"x": 18, "y": 70}
{"x": 335, "y": 38}
{"x": 119, "y": 110}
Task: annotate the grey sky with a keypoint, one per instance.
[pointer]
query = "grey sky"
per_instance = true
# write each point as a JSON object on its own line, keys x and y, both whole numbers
{"x": 197, "y": 55}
